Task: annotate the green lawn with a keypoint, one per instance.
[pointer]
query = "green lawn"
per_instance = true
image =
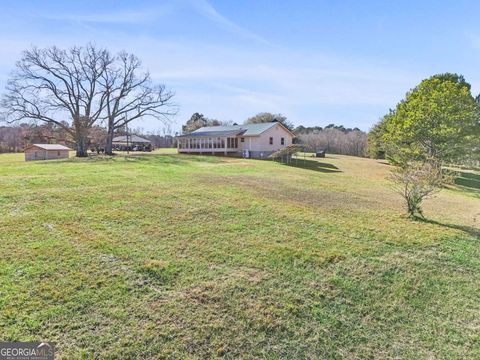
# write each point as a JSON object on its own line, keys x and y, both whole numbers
{"x": 174, "y": 256}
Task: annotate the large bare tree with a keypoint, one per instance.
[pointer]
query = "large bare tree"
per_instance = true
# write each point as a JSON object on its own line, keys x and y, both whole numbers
{"x": 130, "y": 94}
{"x": 51, "y": 85}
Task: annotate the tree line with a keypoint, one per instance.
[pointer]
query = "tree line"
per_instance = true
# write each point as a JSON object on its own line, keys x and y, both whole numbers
{"x": 335, "y": 139}
{"x": 82, "y": 89}
{"x": 17, "y": 138}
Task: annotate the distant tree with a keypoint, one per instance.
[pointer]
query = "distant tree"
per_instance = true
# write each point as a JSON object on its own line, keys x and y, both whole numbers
{"x": 336, "y": 141}
{"x": 313, "y": 141}
{"x": 266, "y": 117}
{"x": 195, "y": 122}
{"x": 160, "y": 141}
{"x": 198, "y": 121}
{"x": 51, "y": 84}
{"x": 306, "y": 130}
{"x": 438, "y": 120}
{"x": 356, "y": 143}
{"x": 130, "y": 95}
{"x": 97, "y": 138}
{"x": 299, "y": 129}
{"x": 215, "y": 122}
{"x": 10, "y": 139}
{"x": 338, "y": 127}
{"x": 15, "y": 138}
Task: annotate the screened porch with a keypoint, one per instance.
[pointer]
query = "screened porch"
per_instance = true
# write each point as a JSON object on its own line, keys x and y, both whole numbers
{"x": 207, "y": 144}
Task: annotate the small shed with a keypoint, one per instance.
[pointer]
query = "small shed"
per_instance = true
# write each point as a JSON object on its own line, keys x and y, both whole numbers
{"x": 46, "y": 152}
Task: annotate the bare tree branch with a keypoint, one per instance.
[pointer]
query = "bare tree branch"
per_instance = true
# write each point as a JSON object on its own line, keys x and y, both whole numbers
{"x": 130, "y": 96}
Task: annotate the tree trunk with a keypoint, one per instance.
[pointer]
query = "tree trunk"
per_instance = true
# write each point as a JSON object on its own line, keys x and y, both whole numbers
{"x": 109, "y": 145}
{"x": 81, "y": 145}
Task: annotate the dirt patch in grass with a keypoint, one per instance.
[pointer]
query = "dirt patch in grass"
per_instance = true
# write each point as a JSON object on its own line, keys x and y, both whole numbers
{"x": 281, "y": 190}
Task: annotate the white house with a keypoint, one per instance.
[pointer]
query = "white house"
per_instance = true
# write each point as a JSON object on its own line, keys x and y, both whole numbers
{"x": 252, "y": 140}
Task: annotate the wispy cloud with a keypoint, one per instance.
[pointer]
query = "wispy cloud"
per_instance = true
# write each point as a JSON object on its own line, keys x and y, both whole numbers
{"x": 201, "y": 7}
{"x": 207, "y": 10}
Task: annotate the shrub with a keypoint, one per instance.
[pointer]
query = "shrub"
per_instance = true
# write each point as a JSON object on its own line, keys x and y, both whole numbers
{"x": 415, "y": 182}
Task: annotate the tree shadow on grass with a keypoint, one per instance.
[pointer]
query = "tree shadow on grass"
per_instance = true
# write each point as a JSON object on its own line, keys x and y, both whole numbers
{"x": 470, "y": 230}
{"x": 468, "y": 180}
{"x": 313, "y": 165}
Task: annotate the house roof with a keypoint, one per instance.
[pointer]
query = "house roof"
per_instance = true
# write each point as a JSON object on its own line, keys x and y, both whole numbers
{"x": 131, "y": 138}
{"x": 213, "y": 133}
{"x": 50, "y": 147}
{"x": 232, "y": 130}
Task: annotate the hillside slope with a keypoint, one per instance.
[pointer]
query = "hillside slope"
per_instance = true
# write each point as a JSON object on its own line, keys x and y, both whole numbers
{"x": 160, "y": 256}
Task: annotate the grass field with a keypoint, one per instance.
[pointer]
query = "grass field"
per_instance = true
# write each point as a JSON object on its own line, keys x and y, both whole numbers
{"x": 176, "y": 256}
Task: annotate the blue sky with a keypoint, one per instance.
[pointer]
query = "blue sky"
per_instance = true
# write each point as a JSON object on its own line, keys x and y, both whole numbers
{"x": 317, "y": 62}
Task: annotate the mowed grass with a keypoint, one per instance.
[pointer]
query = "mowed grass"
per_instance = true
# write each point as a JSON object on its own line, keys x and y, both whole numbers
{"x": 175, "y": 256}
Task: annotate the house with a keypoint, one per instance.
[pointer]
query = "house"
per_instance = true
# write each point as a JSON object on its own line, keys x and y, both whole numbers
{"x": 132, "y": 142}
{"x": 249, "y": 141}
{"x": 46, "y": 152}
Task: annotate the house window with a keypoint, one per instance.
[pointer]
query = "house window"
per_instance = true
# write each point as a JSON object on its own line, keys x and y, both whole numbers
{"x": 282, "y": 141}
{"x": 242, "y": 139}
{"x": 271, "y": 141}
{"x": 58, "y": 153}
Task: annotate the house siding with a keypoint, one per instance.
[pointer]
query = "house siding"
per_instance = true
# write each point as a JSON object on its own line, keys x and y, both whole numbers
{"x": 42, "y": 154}
{"x": 259, "y": 146}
